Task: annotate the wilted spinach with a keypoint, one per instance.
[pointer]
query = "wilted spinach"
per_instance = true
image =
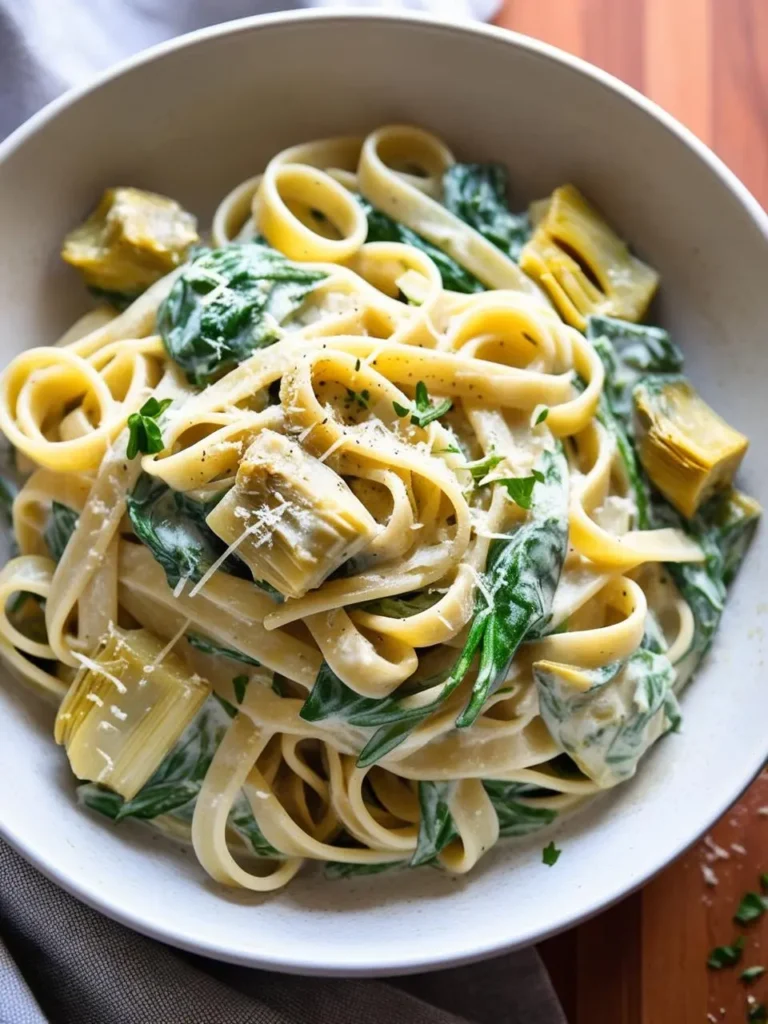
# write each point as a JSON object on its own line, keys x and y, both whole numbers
{"x": 515, "y": 817}
{"x": 62, "y": 522}
{"x": 228, "y": 302}
{"x": 436, "y": 825}
{"x": 401, "y": 607}
{"x": 208, "y": 646}
{"x": 521, "y": 574}
{"x": 630, "y": 353}
{"x": 174, "y": 787}
{"x": 382, "y": 228}
{"x": 477, "y": 194}
{"x": 173, "y": 527}
{"x": 520, "y": 580}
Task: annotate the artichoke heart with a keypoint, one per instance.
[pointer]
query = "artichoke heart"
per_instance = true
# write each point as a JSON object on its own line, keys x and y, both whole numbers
{"x": 293, "y": 519}
{"x": 583, "y": 264}
{"x": 125, "y": 710}
{"x": 687, "y": 450}
{"x": 132, "y": 239}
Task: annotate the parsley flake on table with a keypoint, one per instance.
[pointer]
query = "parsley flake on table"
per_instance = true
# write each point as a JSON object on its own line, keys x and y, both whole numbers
{"x": 750, "y": 974}
{"x": 751, "y": 908}
{"x": 726, "y": 956}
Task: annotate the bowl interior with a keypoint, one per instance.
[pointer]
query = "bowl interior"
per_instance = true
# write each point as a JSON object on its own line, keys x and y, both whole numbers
{"x": 193, "y": 122}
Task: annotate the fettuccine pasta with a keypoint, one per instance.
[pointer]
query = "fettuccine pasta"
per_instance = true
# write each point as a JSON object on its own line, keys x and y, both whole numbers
{"x": 370, "y": 530}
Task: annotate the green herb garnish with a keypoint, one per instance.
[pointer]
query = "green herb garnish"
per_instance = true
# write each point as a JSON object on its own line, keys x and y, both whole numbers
{"x": 421, "y": 410}
{"x": 550, "y": 854}
{"x": 480, "y": 468}
{"x": 751, "y": 908}
{"x": 757, "y": 1013}
{"x": 542, "y": 416}
{"x": 226, "y": 303}
{"x": 520, "y": 488}
{"x": 750, "y": 974}
{"x": 144, "y": 430}
{"x": 726, "y": 956}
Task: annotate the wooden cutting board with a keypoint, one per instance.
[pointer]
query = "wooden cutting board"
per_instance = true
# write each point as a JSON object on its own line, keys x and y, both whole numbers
{"x": 644, "y": 961}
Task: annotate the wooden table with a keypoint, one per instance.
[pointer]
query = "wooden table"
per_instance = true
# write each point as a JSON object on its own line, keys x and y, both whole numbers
{"x": 643, "y": 962}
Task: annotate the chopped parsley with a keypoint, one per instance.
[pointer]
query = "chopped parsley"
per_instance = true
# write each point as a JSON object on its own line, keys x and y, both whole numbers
{"x": 421, "y": 410}
{"x": 145, "y": 433}
{"x": 480, "y": 468}
{"x": 550, "y": 854}
{"x": 750, "y": 974}
{"x": 726, "y": 956}
{"x": 361, "y": 397}
{"x": 751, "y": 908}
{"x": 520, "y": 488}
{"x": 240, "y": 685}
{"x": 542, "y": 416}
{"x": 357, "y": 365}
{"x": 450, "y": 450}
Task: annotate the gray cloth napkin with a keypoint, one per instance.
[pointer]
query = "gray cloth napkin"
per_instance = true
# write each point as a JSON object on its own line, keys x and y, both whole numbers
{"x": 64, "y": 963}
{"x": 60, "y": 961}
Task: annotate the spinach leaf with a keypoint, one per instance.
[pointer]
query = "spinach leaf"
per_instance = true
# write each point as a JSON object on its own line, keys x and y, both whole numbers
{"x": 338, "y": 869}
{"x": 382, "y": 228}
{"x": 240, "y": 685}
{"x": 173, "y": 527}
{"x": 516, "y": 818}
{"x": 477, "y": 194}
{"x": 402, "y": 607}
{"x": 227, "y": 303}
{"x": 62, "y": 522}
{"x": 629, "y": 353}
{"x": 521, "y": 577}
{"x": 436, "y": 826}
{"x": 8, "y": 491}
{"x": 174, "y": 787}
{"x": 731, "y": 519}
{"x": 331, "y": 698}
{"x": 609, "y": 725}
{"x": 208, "y": 646}
{"x": 118, "y": 300}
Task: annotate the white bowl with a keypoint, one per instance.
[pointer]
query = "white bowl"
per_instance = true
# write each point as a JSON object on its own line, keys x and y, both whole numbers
{"x": 191, "y": 119}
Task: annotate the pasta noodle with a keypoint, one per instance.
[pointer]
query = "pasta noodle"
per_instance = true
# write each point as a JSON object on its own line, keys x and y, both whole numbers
{"x": 337, "y": 543}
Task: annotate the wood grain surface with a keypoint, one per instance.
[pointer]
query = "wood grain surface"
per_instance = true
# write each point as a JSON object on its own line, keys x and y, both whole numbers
{"x": 644, "y": 961}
